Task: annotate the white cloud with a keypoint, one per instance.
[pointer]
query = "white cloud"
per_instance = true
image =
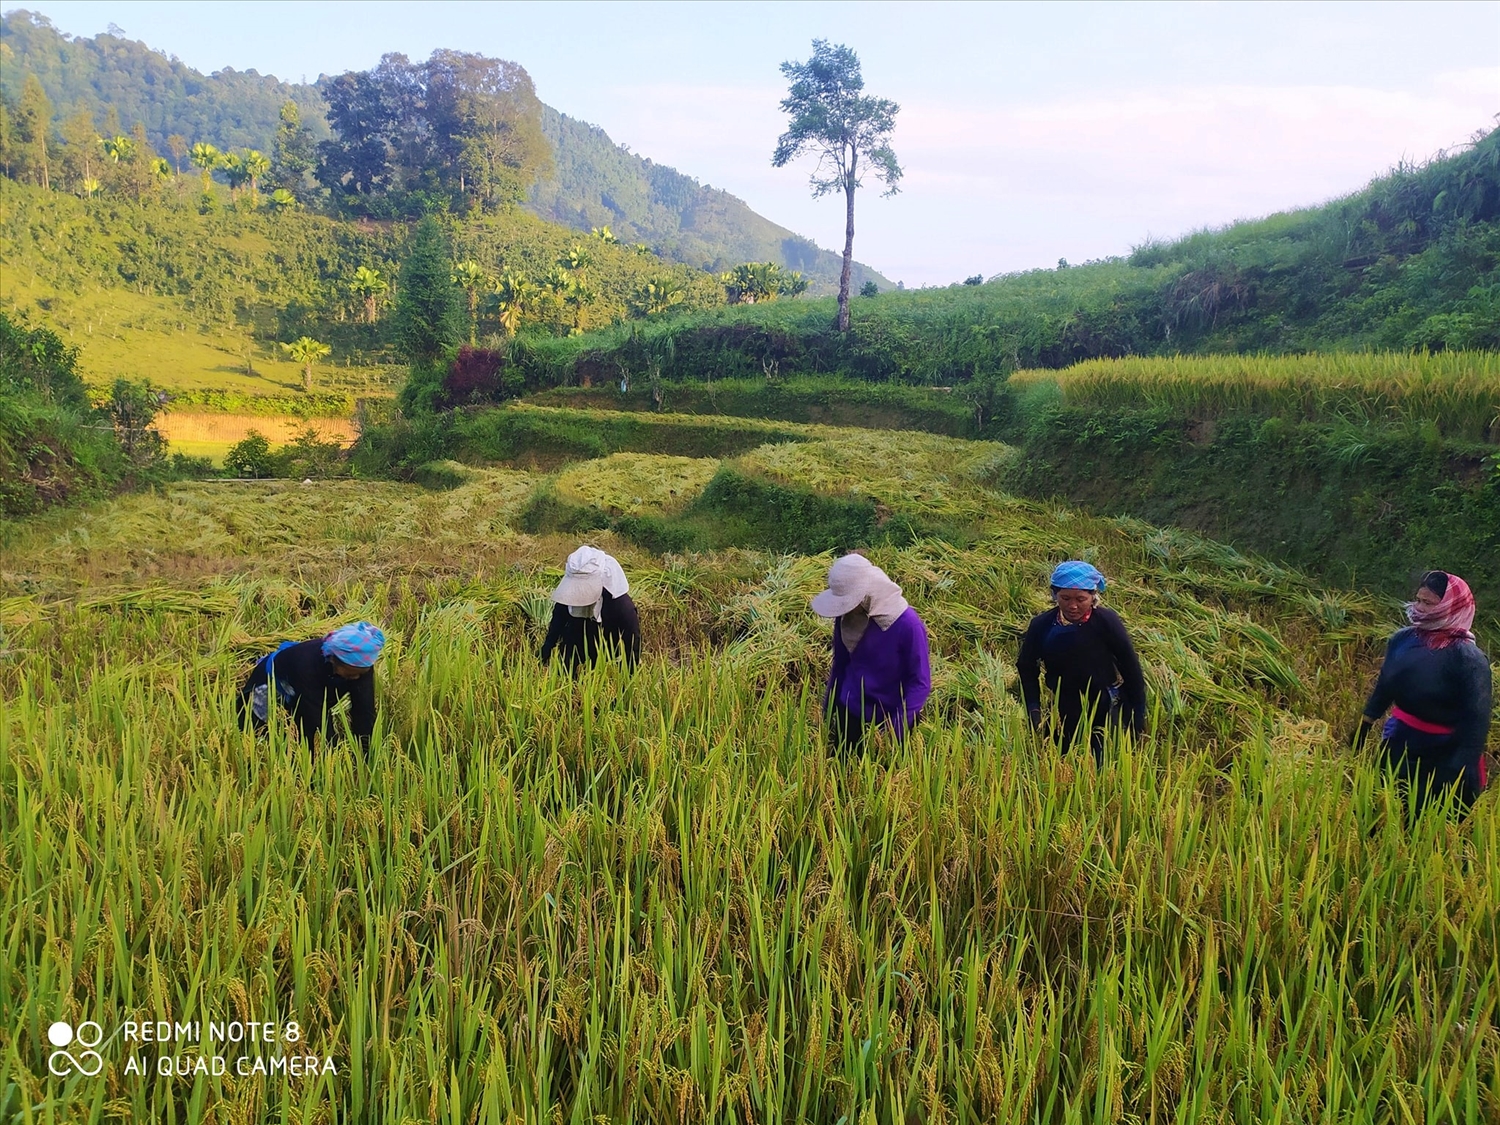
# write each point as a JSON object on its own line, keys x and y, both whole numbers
{"x": 1018, "y": 186}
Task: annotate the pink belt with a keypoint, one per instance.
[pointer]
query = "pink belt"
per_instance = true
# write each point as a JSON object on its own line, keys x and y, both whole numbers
{"x": 1419, "y": 724}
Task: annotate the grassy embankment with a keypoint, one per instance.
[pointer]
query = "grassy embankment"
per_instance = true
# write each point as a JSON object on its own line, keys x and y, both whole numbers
{"x": 1361, "y": 467}
{"x": 656, "y": 896}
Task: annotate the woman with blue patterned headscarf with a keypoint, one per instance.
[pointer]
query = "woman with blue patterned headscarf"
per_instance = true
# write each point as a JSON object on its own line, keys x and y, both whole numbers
{"x": 1091, "y": 666}
{"x": 307, "y": 679}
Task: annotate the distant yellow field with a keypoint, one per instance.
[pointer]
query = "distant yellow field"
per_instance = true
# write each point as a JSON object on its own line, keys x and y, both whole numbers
{"x": 189, "y": 426}
{"x": 203, "y": 434}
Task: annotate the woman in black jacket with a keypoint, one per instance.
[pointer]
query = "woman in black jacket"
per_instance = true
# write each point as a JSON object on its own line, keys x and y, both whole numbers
{"x": 594, "y": 612}
{"x": 1092, "y": 669}
{"x": 1436, "y": 683}
{"x": 306, "y": 679}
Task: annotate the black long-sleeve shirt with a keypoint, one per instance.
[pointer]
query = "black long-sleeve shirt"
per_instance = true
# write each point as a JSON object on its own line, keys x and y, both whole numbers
{"x": 577, "y": 639}
{"x": 1448, "y": 686}
{"x": 1082, "y": 662}
{"x": 308, "y": 675}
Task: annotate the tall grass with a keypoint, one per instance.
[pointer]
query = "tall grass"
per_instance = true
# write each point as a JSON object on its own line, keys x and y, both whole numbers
{"x": 1455, "y": 393}
{"x": 657, "y": 897}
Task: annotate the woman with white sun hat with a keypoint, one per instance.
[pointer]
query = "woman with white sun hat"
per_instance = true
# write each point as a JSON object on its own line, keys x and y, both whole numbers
{"x": 881, "y": 671}
{"x": 594, "y": 612}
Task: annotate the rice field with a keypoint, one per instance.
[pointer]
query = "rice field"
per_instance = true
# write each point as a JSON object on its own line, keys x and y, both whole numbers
{"x": 1457, "y": 393}
{"x": 657, "y": 897}
{"x": 636, "y": 483}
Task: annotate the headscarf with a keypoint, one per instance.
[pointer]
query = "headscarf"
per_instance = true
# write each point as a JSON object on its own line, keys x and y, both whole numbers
{"x": 356, "y": 645}
{"x": 587, "y": 574}
{"x": 1450, "y": 621}
{"x": 1077, "y": 575}
{"x": 855, "y": 582}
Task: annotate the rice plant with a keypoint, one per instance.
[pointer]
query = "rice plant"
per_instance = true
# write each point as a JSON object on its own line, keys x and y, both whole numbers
{"x": 657, "y": 897}
{"x": 1458, "y": 393}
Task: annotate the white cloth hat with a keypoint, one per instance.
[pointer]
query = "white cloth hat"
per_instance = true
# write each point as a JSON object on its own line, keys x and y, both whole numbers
{"x": 586, "y": 575}
{"x": 854, "y": 580}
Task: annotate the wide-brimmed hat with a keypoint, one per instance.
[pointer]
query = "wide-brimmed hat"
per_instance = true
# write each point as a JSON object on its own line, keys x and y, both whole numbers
{"x": 851, "y": 581}
{"x": 586, "y": 575}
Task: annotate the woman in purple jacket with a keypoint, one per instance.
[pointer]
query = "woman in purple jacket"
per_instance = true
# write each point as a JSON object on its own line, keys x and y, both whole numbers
{"x": 881, "y": 671}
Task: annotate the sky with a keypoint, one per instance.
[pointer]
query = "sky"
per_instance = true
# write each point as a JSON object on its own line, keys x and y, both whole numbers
{"x": 1027, "y": 132}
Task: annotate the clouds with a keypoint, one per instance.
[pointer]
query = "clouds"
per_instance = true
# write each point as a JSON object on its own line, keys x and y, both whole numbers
{"x": 1028, "y": 132}
{"x": 995, "y": 188}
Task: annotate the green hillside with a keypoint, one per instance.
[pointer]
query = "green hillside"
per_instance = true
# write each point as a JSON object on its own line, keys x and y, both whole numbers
{"x": 597, "y": 182}
{"x": 200, "y": 303}
{"x": 121, "y": 82}
{"x": 1411, "y": 262}
{"x": 110, "y": 74}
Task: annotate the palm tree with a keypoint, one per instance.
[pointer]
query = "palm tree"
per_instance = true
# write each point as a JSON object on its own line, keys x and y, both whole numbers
{"x": 234, "y": 172}
{"x": 162, "y": 168}
{"x": 660, "y": 294}
{"x": 119, "y": 149}
{"x": 470, "y": 276}
{"x": 367, "y": 284}
{"x": 604, "y": 235}
{"x": 283, "y": 200}
{"x": 306, "y": 351}
{"x": 205, "y": 158}
{"x": 255, "y": 166}
{"x": 516, "y": 295}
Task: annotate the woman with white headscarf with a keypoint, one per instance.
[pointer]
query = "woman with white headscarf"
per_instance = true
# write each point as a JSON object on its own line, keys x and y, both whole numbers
{"x": 593, "y": 611}
{"x": 881, "y": 669}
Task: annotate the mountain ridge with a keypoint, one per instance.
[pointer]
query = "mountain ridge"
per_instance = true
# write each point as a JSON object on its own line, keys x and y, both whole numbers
{"x": 598, "y": 182}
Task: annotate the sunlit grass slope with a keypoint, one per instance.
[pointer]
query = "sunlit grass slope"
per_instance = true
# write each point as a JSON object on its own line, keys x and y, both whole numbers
{"x": 1457, "y": 394}
{"x": 656, "y": 897}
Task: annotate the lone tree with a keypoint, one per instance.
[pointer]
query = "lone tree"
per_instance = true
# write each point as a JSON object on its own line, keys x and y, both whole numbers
{"x": 831, "y": 118}
{"x": 307, "y": 352}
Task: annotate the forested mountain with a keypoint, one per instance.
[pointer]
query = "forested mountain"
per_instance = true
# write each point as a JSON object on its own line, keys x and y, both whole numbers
{"x": 598, "y": 182}
{"x": 120, "y": 83}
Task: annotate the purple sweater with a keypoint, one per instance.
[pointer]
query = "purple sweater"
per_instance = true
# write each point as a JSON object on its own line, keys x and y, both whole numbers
{"x": 887, "y": 677}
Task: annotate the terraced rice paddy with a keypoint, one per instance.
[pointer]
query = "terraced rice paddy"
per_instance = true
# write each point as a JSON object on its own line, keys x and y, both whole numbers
{"x": 657, "y": 897}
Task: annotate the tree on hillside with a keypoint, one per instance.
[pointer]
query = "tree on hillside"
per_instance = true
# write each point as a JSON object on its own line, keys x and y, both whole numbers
{"x": 7, "y": 134}
{"x": 516, "y": 296}
{"x": 459, "y": 126}
{"x": 427, "y": 311}
{"x": 470, "y": 277}
{"x": 658, "y": 295}
{"x": 307, "y": 352}
{"x": 294, "y": 154}
{"x": 234, "y": 171}
{"x": 32, "y": 130}
{"x": 177, "y": 145}
{"x": 206, "y": 158}
{"x": 831, "y": 118}
{"x": 82, "y": 148}
{"x": 255, "y": 166}
{"x": 761, "y": 281}
{"x": 368, "y": 285}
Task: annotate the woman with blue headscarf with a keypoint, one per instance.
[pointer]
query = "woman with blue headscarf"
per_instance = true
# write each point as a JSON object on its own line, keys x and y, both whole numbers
{"x": 306, "y": 679}
{"x": 1092, "y": 669}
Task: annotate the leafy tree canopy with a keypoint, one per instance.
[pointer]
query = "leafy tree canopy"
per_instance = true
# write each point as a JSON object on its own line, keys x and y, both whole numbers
{"x": 460, "y": 130}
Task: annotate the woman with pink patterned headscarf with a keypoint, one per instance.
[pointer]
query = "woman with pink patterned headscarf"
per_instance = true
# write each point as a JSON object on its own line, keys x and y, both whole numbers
{"x": 1436, "y": 683}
